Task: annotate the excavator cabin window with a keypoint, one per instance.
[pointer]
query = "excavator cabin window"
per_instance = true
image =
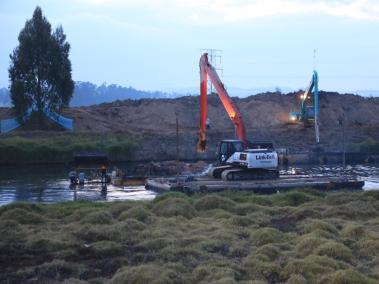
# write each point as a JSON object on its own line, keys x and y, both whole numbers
{"x": 228, "y": 148}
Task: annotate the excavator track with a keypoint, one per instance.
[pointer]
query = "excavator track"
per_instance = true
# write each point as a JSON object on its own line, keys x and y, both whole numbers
{"x": 234, "y": 174}
{"x": 216, "y": 172}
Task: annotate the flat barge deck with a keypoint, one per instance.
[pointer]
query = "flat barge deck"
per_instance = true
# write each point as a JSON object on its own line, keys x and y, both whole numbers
{"x": 192, "y": 185}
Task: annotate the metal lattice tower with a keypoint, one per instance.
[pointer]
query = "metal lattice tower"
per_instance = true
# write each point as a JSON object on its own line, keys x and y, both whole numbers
{"x": 214, "y": 57}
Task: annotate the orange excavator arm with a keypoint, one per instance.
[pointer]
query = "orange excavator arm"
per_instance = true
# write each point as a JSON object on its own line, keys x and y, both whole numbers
{"x": 206, "y": 69}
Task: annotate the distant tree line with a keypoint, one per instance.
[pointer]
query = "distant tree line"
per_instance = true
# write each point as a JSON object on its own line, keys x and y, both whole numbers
{"x": 86, "y": 93}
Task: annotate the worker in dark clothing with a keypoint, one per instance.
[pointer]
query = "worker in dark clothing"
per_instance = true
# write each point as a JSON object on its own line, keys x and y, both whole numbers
{"x": 103, "y": 173}
{"x": 73, "y": 177}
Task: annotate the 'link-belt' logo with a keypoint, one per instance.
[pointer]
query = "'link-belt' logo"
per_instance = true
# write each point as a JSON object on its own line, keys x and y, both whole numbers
{"x": 265, "y": 157}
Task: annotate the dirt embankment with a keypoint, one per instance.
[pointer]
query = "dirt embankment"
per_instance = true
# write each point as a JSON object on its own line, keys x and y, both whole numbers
{"x": 268, "y": 111}
{"x": 152, "y": 122}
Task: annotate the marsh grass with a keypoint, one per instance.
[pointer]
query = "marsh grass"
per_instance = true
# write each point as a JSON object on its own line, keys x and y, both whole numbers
{"x": 231, "y": 237}
{"x": 349, "y": 276}
{"x": 263, "y": 236}
{"x": 335, "y": 250}
{"x": 43, "y": 147}
{"x": 369, "y": 145}
{"x": 174, "y": 207}
{"x": 138, "y": 212}
{"x": 213, "y": 201}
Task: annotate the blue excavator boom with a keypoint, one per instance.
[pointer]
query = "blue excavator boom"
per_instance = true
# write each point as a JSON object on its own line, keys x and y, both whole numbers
{"x": 309, "y": 113}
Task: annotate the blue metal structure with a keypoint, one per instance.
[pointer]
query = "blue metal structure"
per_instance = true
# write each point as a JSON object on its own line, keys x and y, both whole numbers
{"x": 8, "y": 125}
{"x": 309, "y": 113}
{"x": 67, "y": 123}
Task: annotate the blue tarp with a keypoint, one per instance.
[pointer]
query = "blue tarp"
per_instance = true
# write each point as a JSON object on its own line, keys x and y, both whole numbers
{"x": 67, "y": 123}
{"x": 7, "y": 125}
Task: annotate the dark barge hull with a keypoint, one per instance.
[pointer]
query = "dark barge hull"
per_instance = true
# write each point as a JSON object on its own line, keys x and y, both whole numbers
{"x": 284, "y": 183}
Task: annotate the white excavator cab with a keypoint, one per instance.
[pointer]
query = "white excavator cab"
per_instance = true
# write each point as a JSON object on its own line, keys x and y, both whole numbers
{"x": 236, "y": 162}
{"x": 227, "y": 148}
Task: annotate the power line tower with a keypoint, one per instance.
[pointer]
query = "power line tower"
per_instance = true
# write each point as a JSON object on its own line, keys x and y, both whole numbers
{"x": 214, "y": 57}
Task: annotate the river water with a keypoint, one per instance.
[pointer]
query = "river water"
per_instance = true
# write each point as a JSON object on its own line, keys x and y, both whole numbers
{"x": 50, "y": 184}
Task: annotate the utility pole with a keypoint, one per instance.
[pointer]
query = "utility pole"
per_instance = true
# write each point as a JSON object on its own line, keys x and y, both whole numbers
{"x": 342, "y": 124}
{"x": 177, "y": 135}
{"x": 315, "y": 82}
{"x": 214, "y": 57}
{"x": 343, "y": 141}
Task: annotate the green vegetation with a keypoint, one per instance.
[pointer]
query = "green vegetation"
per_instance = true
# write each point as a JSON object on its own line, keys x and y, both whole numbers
{"x": 367, "y": 146}
{"x": 229, "y": 237}
{"x": 58, "y": 147}
{"x": 40, "y": 70}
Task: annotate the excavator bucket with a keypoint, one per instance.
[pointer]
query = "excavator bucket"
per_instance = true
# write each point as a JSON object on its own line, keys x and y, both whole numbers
{"x": 202, "y": 143}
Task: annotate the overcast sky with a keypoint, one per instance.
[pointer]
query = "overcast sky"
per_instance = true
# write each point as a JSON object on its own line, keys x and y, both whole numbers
{"x": 155, "y": 44}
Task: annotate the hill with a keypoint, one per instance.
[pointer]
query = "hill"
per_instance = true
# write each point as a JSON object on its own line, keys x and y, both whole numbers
{"x": 152, "y": 122}
{"x": 86, "y": 94}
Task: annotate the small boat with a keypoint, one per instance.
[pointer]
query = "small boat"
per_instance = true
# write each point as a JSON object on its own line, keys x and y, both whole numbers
{"x": 89, "y": 168}
{"x": 118, "y": 178}
{"x": 128, "y": 180}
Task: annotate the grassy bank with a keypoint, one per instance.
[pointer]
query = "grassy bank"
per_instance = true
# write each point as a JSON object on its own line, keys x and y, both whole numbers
{"x": 296, "y": 237}
{"x": 367, "y": 146}
{"x": 58, "y": 147}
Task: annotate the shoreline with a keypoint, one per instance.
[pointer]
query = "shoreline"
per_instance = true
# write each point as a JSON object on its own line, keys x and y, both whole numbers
{"x": 298, "y": 159}
{"x": 41, "y": 147}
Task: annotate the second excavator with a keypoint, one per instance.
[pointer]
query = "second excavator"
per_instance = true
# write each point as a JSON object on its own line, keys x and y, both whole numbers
{"x": 308, "y": 114}
{"x": 237, "y": 159}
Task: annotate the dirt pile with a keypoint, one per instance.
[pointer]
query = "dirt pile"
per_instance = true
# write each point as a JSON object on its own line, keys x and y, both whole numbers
{"x": 152, "y": 122}
{"x": 268, "y": 110}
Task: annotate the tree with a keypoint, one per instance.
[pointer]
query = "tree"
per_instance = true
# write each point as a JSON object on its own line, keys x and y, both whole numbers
{"x": 40, "y": 70}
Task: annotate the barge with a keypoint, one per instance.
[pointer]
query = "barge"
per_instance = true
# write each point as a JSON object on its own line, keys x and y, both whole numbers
{"x": 191, "y": 185}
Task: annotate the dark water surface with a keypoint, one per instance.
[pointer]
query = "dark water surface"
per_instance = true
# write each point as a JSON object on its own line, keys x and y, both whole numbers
{"x": 50, "y": 183}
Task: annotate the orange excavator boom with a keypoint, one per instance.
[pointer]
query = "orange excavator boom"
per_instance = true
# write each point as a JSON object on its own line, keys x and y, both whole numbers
{"x": 206, "y": 69}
